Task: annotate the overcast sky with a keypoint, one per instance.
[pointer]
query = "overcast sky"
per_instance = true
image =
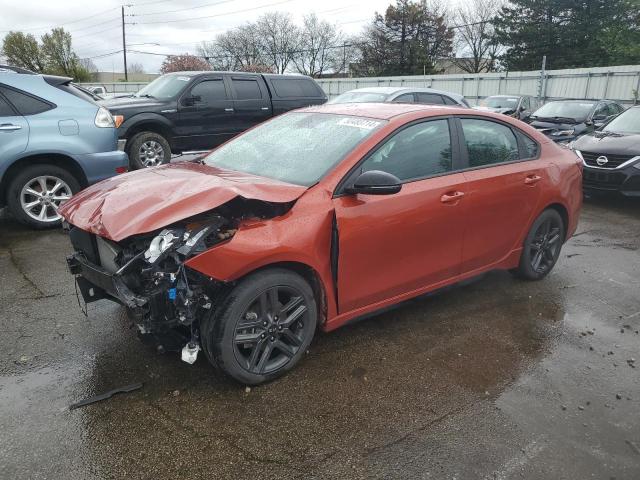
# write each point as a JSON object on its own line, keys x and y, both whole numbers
{"x": 176, "y": 26}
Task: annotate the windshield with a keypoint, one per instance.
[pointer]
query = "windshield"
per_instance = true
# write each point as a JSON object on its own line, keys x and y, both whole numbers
{"x": 576, "y": 110}
{"x": 165, "y": 87}
{"x": 626, "y": 122}
{"x": 500, "y": 102}
{"x": 298, "y": 148}
{"x": 360, "y": 97}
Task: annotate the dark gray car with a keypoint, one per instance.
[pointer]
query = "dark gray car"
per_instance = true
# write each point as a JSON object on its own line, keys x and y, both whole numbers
{"x": 518, "y": 106}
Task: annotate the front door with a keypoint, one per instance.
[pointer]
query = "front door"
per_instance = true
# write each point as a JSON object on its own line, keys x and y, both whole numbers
{"x": 204, "y": 115}
{"x": 503, "y": 190}
{"x": 395, "y": 244}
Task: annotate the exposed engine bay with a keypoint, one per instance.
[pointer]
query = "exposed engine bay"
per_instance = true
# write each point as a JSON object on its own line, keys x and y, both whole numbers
{"x": 146, "y": 273}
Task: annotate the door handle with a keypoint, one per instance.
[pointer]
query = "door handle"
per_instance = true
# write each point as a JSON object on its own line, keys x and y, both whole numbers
{"x": 8, "y": 127}
{"x": 230, "y": 110}
{"x": 451, "y": 197}
{"x": 264, "y": 108}
{"x": 532, "y": 179}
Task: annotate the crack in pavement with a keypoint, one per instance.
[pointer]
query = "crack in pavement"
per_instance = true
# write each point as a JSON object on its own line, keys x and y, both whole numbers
{"x": 18, "y": 267}
{"x": 247, "y": 455}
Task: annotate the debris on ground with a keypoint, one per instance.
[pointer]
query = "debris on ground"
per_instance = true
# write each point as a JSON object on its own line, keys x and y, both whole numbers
{"x": 106, "y": 395}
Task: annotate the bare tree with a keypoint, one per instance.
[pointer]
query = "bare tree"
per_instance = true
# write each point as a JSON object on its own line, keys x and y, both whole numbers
{"x": 236, "y": 49}
{"x": 279, "y": 39}
{"x": 477, "y": 47}
{"x": 135, "y": 68}
{"x": 317, "y": 49}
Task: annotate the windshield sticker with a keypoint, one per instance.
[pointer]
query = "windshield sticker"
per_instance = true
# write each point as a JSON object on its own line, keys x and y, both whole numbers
{"x": 359, "y": 123}
{"x": 184, "y": 79}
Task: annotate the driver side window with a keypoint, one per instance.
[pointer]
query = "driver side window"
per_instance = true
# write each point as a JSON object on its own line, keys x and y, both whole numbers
{"x": 418, "y": 151}
{"x": 208, "y": 91}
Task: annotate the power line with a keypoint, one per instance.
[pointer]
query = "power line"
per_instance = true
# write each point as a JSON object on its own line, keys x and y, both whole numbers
{"x": 62, "y": 24}
{"x": 214, "y": 16}
{"x": 181, "y": 9}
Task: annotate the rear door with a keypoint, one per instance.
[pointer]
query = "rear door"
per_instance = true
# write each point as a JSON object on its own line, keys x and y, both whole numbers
{"x": 391, "y": 245}
{"x": 251, "y": 101}
{"x": 14, "y": 129}
{"x": 504, "y": 182}
{"x": 204, "y": 113}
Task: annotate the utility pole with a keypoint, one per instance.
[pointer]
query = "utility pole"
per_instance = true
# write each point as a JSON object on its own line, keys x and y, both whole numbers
{"x": 542, "y": 79}
{"x": 124, "y": 49}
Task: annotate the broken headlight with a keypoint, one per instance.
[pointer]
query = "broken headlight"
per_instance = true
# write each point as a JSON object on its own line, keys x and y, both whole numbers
{"x": 162, "y": 243}
{"x": 188, "y": 241}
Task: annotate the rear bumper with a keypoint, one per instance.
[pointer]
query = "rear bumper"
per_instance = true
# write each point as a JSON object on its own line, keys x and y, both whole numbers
{"x": 98, "y": 166}
{"x": 625, "y": 181}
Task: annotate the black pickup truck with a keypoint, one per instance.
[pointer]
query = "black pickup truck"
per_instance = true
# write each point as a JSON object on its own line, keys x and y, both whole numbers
{"x": 187, "y": 111}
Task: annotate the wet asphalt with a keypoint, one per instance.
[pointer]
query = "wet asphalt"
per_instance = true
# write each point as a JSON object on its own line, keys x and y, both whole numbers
{"x": 495, "y": 379}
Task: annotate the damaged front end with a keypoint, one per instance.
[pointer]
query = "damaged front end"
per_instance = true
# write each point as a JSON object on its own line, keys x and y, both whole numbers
{"x": 147, "y": 274}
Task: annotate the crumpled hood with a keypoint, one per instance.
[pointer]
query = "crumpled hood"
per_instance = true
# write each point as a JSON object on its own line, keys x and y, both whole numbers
{"x": 149, "y": 199}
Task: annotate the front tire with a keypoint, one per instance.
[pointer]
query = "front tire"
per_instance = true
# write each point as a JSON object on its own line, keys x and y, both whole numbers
{"x": 37, "y": 192}
{"x": 263, "y": 328}
{"x": 542, "y": 246}
{"x": 148, "y": 149}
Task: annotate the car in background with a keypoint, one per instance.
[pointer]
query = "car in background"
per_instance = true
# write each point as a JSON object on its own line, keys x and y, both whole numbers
{"x": 425, "y": 96}
{"x": 611, "y": 155}
{"x": 318, "y": 217}
{"x": 191, "y": 111}
{"x": 565, "y": 120}
{"x": 54, "y": 141}
{"x": 517, "y": 106}
{"x": 98, "y": 90}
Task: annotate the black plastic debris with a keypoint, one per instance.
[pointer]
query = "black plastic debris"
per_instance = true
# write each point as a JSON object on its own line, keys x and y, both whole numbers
{"x": 106, "y": 395}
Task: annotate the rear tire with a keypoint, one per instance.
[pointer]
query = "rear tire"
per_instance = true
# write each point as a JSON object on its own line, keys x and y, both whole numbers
{"x": 36, "y": 193}
{"x": 148, "y": 149}
{"x": 542, "y": 246}
{"x": 263, "y": 327}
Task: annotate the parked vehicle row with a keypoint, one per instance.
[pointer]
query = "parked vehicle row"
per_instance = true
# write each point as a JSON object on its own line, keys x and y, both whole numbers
{"x": 54, "y": 140}
{"x": 186, "y": 111}
{"x": 280, "y": 230}
{"x": 425, "y": 96}
{"x": 611, "y": 155}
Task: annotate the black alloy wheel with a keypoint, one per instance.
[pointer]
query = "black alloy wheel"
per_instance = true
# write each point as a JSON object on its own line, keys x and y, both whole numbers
{"x": 262, "y": 328}
{"x": 272, "y": 330}
{"x": 542, "y": 246}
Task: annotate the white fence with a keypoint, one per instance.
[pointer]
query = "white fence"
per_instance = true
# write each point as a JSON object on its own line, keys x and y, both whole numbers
{"x": 616, "y": 83}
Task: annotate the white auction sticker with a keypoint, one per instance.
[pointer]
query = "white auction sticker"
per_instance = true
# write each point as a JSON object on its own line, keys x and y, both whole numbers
{"x": 359, "y": 123}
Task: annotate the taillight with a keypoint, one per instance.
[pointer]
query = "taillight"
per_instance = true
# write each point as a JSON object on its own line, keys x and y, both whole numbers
{"x": 121, "y": 170}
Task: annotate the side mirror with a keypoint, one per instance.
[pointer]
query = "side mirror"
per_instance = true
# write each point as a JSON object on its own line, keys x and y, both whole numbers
{"x": 376, "y": 182}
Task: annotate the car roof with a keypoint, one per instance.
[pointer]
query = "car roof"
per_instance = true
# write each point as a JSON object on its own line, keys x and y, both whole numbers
{"x": 394, "y": 90}
{"x": 381, "y": 111}
{"x": 507, "y": 96}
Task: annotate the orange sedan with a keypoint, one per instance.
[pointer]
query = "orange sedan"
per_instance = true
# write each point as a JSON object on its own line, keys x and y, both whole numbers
{"x": 315, "y": 218}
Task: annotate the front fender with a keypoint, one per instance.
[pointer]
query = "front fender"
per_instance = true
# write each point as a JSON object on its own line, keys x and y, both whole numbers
{"x": 137, "y": 119}
{"x": 301, "y": 236}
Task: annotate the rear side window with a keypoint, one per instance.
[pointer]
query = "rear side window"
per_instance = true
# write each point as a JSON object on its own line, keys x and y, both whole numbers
{"x": 246, "y": 89}
{"x": 418, "y": 151}
{"x": 430, "y": 98}
{"x": 449, "y": 101}
{"x": 295, "y": 87}
{"x": 404, "y": 98}
{"x": 24, "y": 103}
{"x": 530, "y": 147}
{"x": 489, "y": 142}
{"x": 5, "y": 108}
{"x": 209, "y": 91}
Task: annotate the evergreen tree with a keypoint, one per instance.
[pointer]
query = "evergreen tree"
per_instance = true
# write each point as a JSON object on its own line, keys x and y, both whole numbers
{"x": 406, "y": 40}
{"x": 571, "y": 33}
